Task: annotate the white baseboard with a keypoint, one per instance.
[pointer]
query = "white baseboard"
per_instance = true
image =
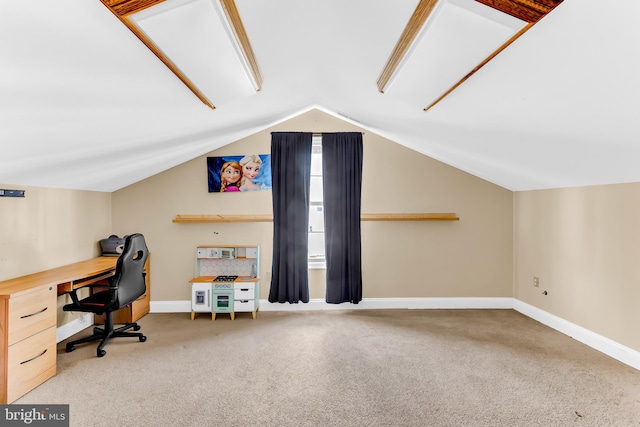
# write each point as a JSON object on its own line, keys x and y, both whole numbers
{"x": 73, "y": 327}
{"x": 609, "y": 347}
{"x": 170, "y": 307}
{"x": 605, "y": 345}
{"x": 390, "y": 303}
{"x": 365, "y": 304}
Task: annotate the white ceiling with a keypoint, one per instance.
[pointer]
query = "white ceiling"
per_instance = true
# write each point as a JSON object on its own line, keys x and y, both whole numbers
{"x": 85, "y": 105}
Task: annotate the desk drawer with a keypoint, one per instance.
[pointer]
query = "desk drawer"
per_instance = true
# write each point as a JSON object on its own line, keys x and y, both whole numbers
{"x": 140, "y": 307}
{"x": 31, "y": 313}
{"x": 31, "y": 362}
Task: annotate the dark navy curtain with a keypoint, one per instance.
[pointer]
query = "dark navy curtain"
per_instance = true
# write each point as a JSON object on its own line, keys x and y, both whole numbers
{"x": 342, "y": 184}
{"x": 290, "y": 182}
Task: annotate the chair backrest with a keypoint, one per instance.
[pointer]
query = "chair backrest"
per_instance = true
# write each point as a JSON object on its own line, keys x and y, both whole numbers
{"x": 128, "y": 282}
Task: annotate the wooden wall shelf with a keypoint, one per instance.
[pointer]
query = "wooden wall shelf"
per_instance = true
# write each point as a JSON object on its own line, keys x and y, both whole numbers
{"x": 224, "y": 218}
{"x": 364, "y": 217}
{"x": 410, "y": 217}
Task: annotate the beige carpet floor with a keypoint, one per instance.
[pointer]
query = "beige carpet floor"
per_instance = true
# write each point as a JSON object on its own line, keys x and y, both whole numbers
{"x": 344, "y": 368}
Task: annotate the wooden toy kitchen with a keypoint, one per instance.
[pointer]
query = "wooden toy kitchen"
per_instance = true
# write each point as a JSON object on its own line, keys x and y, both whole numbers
{"x": 226, "y": 281}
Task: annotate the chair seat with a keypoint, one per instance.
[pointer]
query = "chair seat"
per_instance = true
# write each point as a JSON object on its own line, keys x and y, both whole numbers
{"x": 92, "y": 303}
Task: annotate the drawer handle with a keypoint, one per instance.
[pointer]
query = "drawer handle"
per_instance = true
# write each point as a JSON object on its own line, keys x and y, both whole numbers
{"x": 33, "y": 314}
{"x": 34, "y": 358}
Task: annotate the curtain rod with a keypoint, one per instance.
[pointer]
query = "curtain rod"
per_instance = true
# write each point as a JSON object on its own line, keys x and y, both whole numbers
{"x": 320, "y": 133}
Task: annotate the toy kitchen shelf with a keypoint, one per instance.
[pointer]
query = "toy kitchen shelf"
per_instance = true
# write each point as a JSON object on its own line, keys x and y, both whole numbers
{"x": 226, "y": 280}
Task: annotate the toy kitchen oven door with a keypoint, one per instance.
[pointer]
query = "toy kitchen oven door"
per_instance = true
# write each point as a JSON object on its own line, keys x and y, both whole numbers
{"x": 213, "y": 297}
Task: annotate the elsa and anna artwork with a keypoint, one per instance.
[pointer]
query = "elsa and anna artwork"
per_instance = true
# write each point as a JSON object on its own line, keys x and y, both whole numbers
{"x": 239, "y": 173}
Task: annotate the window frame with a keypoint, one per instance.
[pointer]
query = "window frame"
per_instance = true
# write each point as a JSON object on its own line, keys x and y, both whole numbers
{"x": 317, "y": 262}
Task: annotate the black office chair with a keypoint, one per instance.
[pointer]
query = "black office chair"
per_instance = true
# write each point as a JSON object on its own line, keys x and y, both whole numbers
{"x": 124, "y": 287}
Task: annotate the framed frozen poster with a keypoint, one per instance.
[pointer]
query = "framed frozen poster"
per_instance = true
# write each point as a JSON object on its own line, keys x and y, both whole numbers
{"x": 228, "y": 174}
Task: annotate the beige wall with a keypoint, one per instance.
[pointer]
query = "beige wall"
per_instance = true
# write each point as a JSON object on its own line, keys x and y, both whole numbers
{"x": 49, "y": 228}
{"x": 471, "y": 257}
{"x": 583, "y": 244}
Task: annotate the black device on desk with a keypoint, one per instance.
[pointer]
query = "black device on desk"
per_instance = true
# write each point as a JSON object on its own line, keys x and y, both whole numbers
{"x": 112, "y": 245}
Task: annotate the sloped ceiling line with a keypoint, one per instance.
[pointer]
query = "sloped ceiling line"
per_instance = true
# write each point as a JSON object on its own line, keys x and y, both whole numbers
{"x": 529, "y": 11}
{"x": 489, "y": 58}
{"x": 524, "y": 10}
{"x": 408, "y": 36}
{"x": 233, "y": 17}
{"x": 123, "y": 9}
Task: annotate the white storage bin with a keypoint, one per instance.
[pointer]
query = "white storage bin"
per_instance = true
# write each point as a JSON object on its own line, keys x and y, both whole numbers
{"x": 244, "y": 305}
{"x": 244, "y": 293}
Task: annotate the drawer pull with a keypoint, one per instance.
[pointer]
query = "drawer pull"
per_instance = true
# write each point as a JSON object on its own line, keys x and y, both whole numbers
{"x": 33, "y": 314}
{"x": 34, "y": 358}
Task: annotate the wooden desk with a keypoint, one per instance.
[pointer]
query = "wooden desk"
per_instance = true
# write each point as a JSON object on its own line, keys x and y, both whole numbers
{"x": 28, "y": 321}
{"x": 66, "y": 277}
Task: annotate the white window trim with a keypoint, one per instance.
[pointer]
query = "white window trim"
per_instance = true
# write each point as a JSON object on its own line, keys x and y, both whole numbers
{"x": 317, "y": 263}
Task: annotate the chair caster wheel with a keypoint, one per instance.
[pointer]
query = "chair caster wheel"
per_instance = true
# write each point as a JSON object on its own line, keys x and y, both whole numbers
{"x": 101, "y": 353}
{"x": 142, "y": 338}
{"x": 70, "y": 348}
{"x": 136, "y": 328}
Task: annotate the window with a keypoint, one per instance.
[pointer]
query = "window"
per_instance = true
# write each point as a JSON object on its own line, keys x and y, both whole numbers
{"x": 316, "y": 207}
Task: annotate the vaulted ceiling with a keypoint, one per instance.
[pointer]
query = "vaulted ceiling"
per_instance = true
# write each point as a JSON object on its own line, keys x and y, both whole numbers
{"x": 95, "y": 98}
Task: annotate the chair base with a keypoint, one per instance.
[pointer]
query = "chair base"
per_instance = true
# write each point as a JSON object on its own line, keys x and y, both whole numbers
{"x": 105, "y": 334}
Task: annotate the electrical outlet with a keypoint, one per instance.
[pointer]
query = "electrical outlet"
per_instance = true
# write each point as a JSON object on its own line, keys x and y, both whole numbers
{"x": 267, "y": 275}
{"x": 536, "y": 281}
